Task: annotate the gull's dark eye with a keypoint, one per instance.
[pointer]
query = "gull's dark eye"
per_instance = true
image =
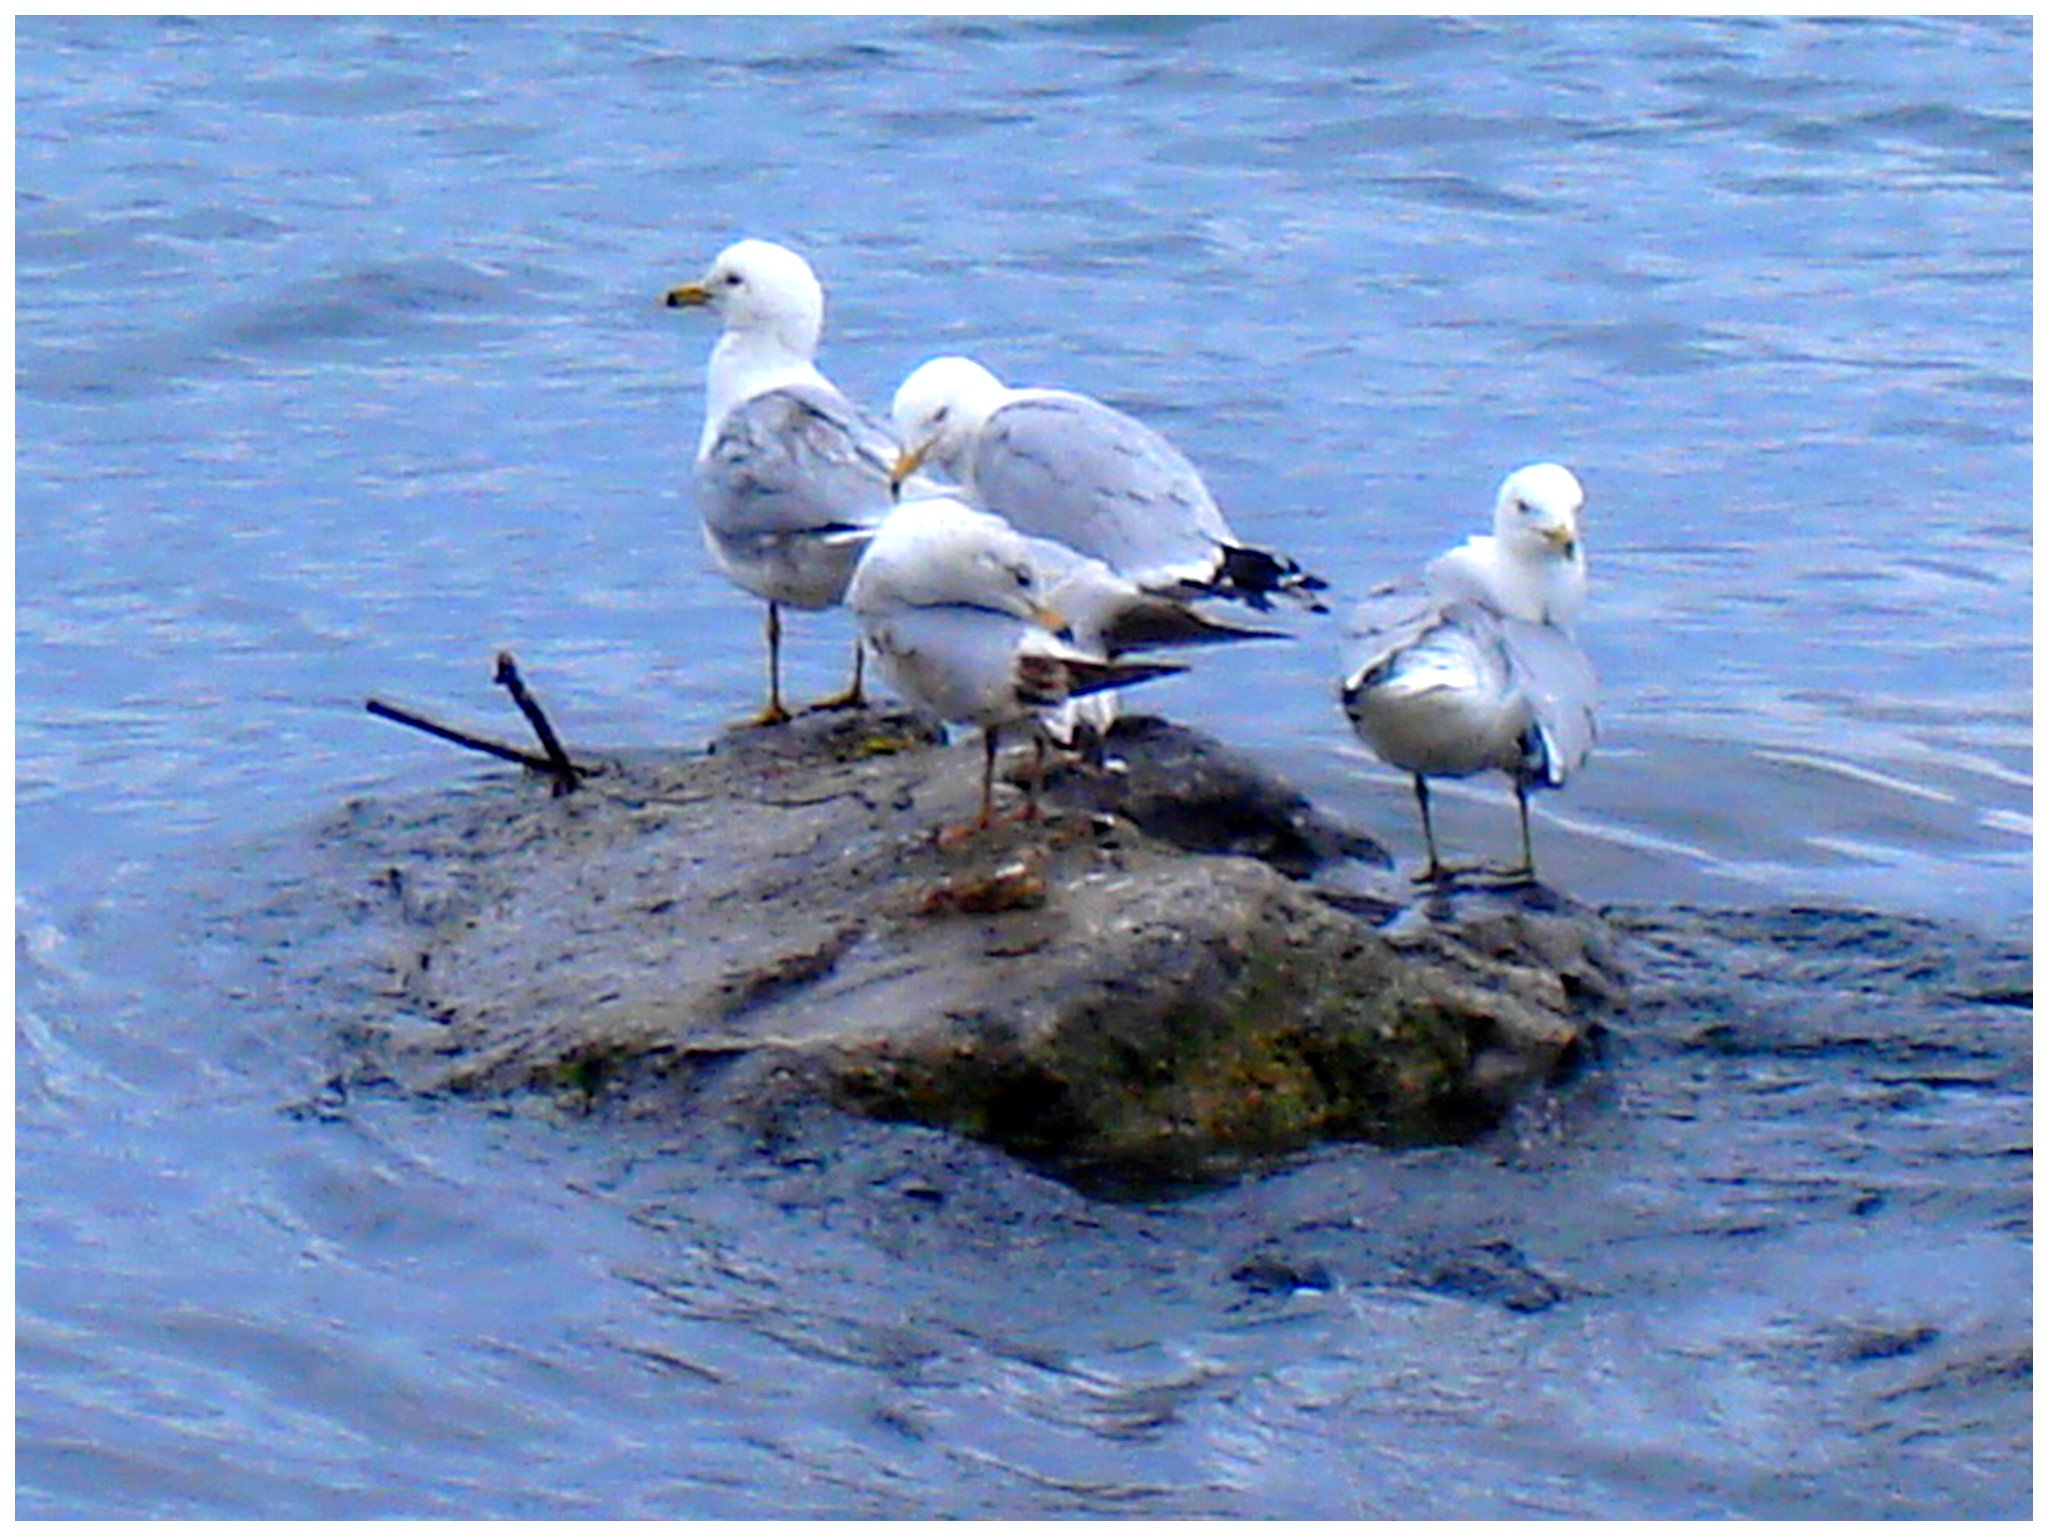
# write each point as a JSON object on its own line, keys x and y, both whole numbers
{"x": 1023, "y": 576}
{"x": 733, "y": 279}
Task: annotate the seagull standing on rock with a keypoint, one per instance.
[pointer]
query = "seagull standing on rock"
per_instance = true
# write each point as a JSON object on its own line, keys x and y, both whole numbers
{"x": 1067, "y": 467}
{"x": 958, "y": 608}
{"x": 792, "y": 477}
{"x": 1478, "y": 668}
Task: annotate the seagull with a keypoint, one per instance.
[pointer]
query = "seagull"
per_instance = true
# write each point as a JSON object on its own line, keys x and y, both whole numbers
{"x": 792, "y": 477}
{"x": 957, "y": 607}
{"x": 1477, "y": 667}
{"x": 1067, "y": 467}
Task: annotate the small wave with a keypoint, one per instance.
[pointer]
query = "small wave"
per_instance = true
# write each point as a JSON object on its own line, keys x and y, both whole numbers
{"x": 365, "y": 302}
{"x": 1858, "y": 774}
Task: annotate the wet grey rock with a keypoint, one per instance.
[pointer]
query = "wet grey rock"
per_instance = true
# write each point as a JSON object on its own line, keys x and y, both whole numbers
{"x": 1878, "y": 1341}
{"x": 1496, "y": 1272}
{"x": 1275, "y": 1274}
{"x": 1194, "y": 792}
{"x": 1185, "y": 962}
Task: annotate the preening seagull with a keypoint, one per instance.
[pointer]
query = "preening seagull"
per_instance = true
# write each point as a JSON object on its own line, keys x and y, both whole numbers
{"x": 958, "y": 608}
{"x": 1477, "y": 667}
{"x": 792, "y": 477}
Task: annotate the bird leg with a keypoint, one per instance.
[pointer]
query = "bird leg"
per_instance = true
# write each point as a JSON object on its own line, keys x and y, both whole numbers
{"x": 854, "y": 696}
{"x": 1034, "y": 786}
{"x": 1436, "y": 870}
{"x": 773, "y": 713}
{"x": 953, "y": 837}
{"x": 988, "y": 775}
{"x": 1512, "y": 875}
{"x": 1037, "y": 790}
{"x": 1527, "y": 871}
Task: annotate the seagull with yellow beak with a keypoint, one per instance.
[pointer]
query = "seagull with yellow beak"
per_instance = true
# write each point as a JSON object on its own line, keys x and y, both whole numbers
{"x": 1478, "y": 669}
{"x": 792, "y": 477}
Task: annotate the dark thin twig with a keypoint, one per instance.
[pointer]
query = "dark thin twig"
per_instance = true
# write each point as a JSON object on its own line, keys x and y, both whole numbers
{"x": 461, "y": 738}
{"x": 566, "y": 776}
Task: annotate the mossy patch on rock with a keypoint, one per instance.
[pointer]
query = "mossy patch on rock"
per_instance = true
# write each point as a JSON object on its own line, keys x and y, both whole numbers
{"x": 1264, "y": 1020}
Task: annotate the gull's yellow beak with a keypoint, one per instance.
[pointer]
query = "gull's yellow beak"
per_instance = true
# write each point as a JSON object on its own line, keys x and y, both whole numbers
{"x": 1563, "y": 538}
{"x": 689, "y": 296}
{"x": 1048, "y": 618}
{"x": 906, "y": 462}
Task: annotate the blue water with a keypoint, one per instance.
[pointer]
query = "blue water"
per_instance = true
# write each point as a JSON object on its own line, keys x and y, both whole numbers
{"x": 340, "y": 364}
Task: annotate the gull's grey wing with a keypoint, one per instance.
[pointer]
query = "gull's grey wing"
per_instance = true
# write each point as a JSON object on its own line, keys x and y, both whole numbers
{"x": 1430, "y": 686}
{"x": 796, "y": 460}
{"x": 1547, "y": 665}
{"x": 1391, "y": 616}
{"x": 1070, "y": 468}
{"x": 1441, "y": 684}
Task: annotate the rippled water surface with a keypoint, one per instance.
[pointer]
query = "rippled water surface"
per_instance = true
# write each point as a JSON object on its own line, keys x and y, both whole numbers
{"x": 340, "y": 365}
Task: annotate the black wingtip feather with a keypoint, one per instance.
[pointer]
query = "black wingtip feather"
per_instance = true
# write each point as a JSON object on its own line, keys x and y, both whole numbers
{"x": 1255, "y": 574}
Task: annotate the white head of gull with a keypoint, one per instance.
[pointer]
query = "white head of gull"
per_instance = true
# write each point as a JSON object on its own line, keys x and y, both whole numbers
{"x": 1533, "y": 565}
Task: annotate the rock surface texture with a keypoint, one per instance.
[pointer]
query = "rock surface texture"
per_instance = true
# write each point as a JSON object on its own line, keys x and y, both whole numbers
{"x": 1183, "y": 962}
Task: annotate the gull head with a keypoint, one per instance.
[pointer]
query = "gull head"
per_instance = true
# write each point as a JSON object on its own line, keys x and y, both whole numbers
{"x": 758, "y": 288}
{"x": 939, "y": 412}
{"x": 939, "y": 552}
{"x": 1537, "y": 512}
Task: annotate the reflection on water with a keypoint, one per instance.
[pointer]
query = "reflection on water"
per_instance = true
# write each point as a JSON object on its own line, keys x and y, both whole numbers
{"x": 340, "y": 366}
